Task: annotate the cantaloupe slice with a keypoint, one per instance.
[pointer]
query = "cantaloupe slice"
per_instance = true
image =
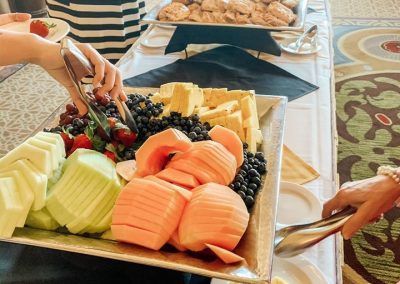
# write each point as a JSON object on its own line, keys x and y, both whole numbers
{"x": 153, "y": 155}
{"x": 230, "y": 140}
{"x": 189, "y": 166}
{"x": 131, "y": 217}
{"x": 128, "y": 234}
{"x": 174, "y": 241}
{"x": 225, "y": 255}
{"x": 178, "y": 177}
{"x": 126, "y": 169}
{"x": 184, "y": 193}
{"x": 194, "y": 232}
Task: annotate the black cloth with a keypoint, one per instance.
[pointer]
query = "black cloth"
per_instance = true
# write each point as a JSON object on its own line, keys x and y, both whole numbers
{"x": 255, "y": 39}
{"x": 27, "y": 264}
{"x": 227, "y": 67}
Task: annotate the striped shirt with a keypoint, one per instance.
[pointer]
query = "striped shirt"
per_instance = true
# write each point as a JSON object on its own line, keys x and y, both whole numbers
{"x": 110, "y": 26}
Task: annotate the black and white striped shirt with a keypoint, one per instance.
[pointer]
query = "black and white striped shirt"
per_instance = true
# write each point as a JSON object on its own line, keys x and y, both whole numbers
{"x": 110, "y": 26}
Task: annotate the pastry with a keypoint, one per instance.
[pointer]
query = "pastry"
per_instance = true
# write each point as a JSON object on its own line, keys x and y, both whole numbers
{"x": 269, "y": 1}
{"x": 207, "y": 17}
{"x": 242, "y": 19}
{"x": 196, "y": 15}
{"x": 273, "y": 21}
{"x": 261, "y": 7}
{"x": 174, "y": 12}
{"x": 290, "y": 3}
{"x": 281, "y": 12}
{"x": 245, "y": 7}
{"x": 230, "y": 17}
{"x": 219, "y": 17}
{"x": 214, "y": 5}
{"x": 257, "y": 18}
{"x": 194, "y": 6}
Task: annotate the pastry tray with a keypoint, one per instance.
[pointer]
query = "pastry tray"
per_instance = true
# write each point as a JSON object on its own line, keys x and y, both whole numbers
{"x": 256, "y": 246}
{"x": 298, "y": 25}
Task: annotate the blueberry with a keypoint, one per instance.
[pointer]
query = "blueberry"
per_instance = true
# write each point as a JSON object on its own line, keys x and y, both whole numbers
{"x": 145, "y": 120}
{"x": 134, "y": 114}
{"x": 245, "y": 167}
{"x": 243, "y": 188}
{"x": 149, "y": 114}
{"x": 192, "y": 135}
{"x": 250, "y": 155}
{"x": 253, "y": 173}
{"x": 237, "y": 185}
{"x": 200, "y": 137}
{"x": 189, "y": 123}
{"x": 138, "y": 110}
{"x": 183, "y": 122}
{"x": 142, "y": 99}
{"x": 204, "y": 133}
{"x": 256, "y": 180}
{"x": 261, "y": 169}
{"x": 245, "y": 145}
{"x": 243, "y": 173}
{"x": 242, "y": 194}
{"x": 252, "y": 186}
{"x": 250, "y": 192}
{"x": 232, "y": 186}
{"x": 260, "y": 156}
{"x": 195, "y": 118}
{"x": 251, "y": 161}
{"x": 249, "y": 201}
{"x": 197, "y": 130}
{"x": 239, "y": 178}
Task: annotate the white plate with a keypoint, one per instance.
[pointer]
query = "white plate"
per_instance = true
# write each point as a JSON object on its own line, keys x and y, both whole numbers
{"x": 297, "y": 205}
{"x": 157, "y": 39}
{"x": 295, "y": 270}
{"x": 56, "y": 33}
{"x": 306, "y": 49}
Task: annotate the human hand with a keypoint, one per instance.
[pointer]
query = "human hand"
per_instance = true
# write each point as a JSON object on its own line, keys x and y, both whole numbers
{"x": 372, "y": 197}
{"x": 107, "y": 77}
{"x": 13, "y": 17}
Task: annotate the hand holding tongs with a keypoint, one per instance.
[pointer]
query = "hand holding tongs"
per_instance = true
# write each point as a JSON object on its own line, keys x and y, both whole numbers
{"x": 78, "y": 67}
{"x": 293, "y": 240}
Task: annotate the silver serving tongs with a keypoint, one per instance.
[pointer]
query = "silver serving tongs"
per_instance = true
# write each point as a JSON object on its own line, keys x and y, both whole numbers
{"x": 293, "y": 240}
{"x": 78, "y": 67}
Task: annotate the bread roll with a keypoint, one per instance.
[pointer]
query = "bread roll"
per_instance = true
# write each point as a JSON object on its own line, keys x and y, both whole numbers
{"x": 174, "y": 12}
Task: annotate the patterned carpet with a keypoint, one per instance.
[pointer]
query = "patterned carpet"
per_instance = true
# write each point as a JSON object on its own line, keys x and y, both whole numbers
{"x": 367, "y": 60}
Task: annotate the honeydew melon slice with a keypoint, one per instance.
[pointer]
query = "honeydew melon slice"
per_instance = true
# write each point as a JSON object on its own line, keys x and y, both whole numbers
{"x": 54, "y": 139}
{"x": 100, "y": 205}
{"x": 103, "y": 225}
{"x": 10, "y": 207}
{"x": 55, "y": 203}
{"x": 41, "y": 219}
{"x": 37, "y": 181}
{"x": 24, "y": 192}
{"x": 39, "y": 157}
{"x": 54, "y": 159}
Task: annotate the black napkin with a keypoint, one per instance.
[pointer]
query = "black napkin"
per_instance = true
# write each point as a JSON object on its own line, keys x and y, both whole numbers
{"x": 227, "y": 67}
{"x": 255, "y": 39}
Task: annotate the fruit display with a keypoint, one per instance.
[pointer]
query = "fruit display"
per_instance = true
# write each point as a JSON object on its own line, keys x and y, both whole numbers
{"x": 187, "y": 179}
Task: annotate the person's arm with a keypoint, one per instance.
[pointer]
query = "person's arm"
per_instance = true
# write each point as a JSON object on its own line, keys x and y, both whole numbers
{"x": 30, "y": 48}
{"x": 372, "y": 197}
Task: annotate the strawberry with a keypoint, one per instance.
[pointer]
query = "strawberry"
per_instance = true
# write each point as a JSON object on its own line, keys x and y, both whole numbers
{"x": 41, "y": 28}
{"x": 68, "y": 140}
{"x": 125, "y": 136}
{"x": 110, "y": 155}
{"x": 81, "y": 141}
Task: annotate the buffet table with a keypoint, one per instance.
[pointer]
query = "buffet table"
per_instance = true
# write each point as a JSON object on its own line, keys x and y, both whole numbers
{"x": 310, "y": 125}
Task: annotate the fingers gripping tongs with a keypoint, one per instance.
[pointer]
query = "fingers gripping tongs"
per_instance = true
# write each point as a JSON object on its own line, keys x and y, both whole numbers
{"x": 78, "y": 67}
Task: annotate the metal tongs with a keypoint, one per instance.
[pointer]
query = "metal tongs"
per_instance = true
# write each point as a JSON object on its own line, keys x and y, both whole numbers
{"x": 78, "y": 67}
{"x": 293, "y": 240}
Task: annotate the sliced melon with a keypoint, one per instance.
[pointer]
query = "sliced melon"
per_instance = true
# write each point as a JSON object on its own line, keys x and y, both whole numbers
{"x": 153, "y": 155}
{"x": 178, "y": 177}
{"x": 41, "y": 219}
{"x": 225, "y": 255}
{"x": 230, "y": 140}
{"x": 11, "y": 207}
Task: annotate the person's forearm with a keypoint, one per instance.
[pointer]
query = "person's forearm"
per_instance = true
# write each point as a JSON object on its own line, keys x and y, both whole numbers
{"x": 21, "y": 47}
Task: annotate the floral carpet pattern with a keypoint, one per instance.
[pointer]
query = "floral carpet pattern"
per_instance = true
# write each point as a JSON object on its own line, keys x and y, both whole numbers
{"x": 367, "y": 64}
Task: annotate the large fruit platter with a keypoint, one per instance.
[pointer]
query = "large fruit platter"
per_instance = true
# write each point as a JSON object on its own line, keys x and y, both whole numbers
{"x": 195, "y": 189}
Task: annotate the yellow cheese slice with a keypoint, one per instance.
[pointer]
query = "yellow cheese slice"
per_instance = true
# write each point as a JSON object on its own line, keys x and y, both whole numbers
{"x": 235, "y": 123}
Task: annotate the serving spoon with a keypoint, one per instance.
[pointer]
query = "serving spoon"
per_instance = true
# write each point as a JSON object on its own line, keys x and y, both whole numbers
{"x": 293, "y": 240}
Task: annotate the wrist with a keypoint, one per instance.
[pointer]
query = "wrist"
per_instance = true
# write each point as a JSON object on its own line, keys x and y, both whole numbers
{"x": 41, "y": 49}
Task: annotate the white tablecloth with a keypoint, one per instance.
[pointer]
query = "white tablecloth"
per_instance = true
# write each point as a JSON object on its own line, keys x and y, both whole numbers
{"x": 310, "y": 129}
